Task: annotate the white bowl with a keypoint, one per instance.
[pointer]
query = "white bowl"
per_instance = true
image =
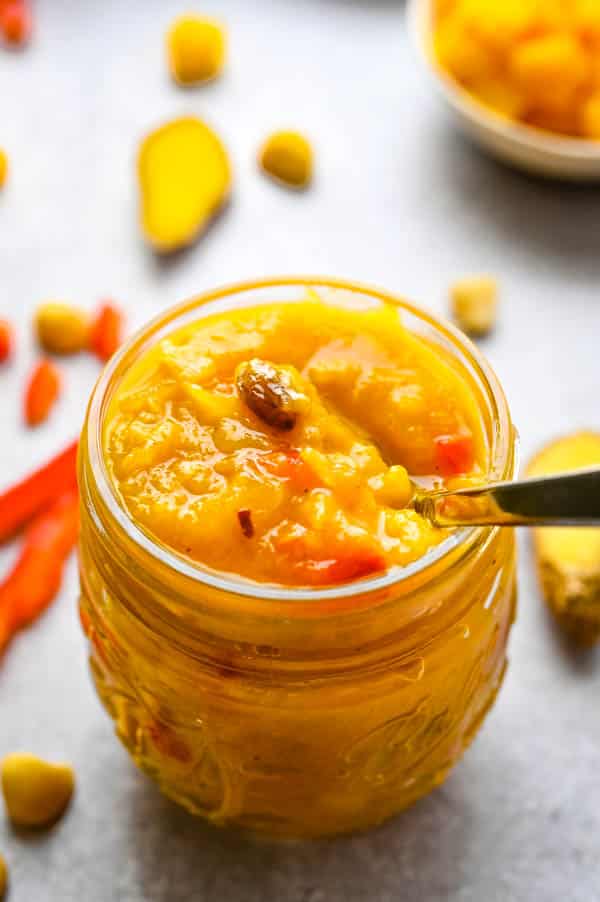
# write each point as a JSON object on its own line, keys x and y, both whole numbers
{"x": 527, "y": 148}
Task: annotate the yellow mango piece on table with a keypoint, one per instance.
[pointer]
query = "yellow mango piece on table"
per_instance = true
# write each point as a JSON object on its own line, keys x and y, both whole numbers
{"x": 288, "y": 158}
{"x": 61, "y": 328}
{"x": 474, "y": 303}
{"x": 36, "y": 793}
{"x": 503, "y": 97}
{"x": 196, "y": 49}
{"x": 185, "y": 178}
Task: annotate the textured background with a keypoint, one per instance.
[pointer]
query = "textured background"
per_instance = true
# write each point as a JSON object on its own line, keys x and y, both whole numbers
{"x": 399, "y": 201}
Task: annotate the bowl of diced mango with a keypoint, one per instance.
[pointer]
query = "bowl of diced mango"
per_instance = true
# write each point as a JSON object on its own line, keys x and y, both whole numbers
{"x": 521, "y": 77}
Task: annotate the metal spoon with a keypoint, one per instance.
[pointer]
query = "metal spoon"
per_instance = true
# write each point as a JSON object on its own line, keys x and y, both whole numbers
{"x": 567, "y": 499}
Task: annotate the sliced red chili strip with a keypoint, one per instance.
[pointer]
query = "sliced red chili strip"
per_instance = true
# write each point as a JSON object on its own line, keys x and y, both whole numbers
{"x": 25, "y": 499}
{"x": 36, "y": 577}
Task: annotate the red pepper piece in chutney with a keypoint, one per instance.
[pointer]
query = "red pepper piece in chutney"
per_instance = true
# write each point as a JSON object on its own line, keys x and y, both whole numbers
{"x": 341, "y": 569}
{"x": 25, "y": 499}
{"x": 289, "y": 464}
{"x": 341, "y": 561}
{"x": 37, "y": 575}
{"x": 454, "y": 454}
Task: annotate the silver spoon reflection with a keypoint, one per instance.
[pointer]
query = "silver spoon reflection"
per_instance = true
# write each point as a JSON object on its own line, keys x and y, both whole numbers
{"x": 566, "y": 499}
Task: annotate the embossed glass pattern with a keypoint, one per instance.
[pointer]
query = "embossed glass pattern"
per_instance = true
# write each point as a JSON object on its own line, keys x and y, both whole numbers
{"x": 293, "y": 712}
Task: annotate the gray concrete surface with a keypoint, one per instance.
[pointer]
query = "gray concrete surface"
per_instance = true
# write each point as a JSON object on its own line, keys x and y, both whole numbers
{"x": 401, "y": 201}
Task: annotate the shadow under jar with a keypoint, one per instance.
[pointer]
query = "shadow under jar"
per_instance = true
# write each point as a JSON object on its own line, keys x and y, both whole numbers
{"x": 294, "y": 712}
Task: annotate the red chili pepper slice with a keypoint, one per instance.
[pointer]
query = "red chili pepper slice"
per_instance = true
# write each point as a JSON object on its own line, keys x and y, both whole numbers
{"x": 25, "y": 499}
{"x": 36, "y": 577}
{"x": 6, "y": 340}
{"x": 454, "y": 454}
{"x": 106, "y": 331}
{"x": 43, "y": 389}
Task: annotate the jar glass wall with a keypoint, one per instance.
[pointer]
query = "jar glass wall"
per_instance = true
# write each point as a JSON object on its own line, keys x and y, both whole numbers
{"x": 294, "y": 712}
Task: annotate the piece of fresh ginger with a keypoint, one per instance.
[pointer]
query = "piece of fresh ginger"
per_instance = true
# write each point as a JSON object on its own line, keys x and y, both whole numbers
{"x": 185, "y": 178}
{"x": 568, "y": 559}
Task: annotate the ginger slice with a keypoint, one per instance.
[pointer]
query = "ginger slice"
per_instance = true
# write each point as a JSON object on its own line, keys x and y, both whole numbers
{"x": 185, "y": 178}
{"x": 568, "y": 559}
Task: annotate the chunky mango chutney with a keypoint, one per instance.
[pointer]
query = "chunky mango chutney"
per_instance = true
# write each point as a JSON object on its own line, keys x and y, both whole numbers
{"x": 276, "y": 442}
{"x": 283, "y": 643}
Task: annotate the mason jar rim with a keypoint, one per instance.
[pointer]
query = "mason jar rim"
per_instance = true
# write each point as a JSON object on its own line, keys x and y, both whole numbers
{"x": 502, "y": 458}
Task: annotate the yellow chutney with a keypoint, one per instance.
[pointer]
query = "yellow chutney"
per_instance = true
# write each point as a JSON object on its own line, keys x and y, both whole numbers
{"x": 283, "y": 643}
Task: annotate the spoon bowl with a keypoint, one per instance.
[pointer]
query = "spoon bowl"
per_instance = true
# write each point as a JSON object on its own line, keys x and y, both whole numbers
{"x": 566, "y": 499}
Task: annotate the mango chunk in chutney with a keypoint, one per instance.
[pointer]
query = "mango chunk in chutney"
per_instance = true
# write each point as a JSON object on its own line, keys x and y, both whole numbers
{"x": 276, "y": 442}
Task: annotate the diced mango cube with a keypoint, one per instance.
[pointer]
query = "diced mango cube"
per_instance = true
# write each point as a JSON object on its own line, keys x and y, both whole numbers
{"x": 551, "y": 64}
{"x": 501, "y": 96}
{"x": 497, "y": 25}
{"x": 209, "y": 407}
{"x": 393, "y": 488}
{"x": 461, "y": 54}
{"x": 474, "y": 304}
{"x": 287, "y": 157}
{"x": 196, "y": 49}
{"x": 590, "y": 117}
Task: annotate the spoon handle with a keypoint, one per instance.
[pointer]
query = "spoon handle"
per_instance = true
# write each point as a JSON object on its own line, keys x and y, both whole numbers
{"x": 568, "y": 499}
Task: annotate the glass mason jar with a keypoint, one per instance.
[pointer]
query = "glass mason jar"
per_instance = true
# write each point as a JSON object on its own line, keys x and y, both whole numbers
{"x": 294, "y": 712}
